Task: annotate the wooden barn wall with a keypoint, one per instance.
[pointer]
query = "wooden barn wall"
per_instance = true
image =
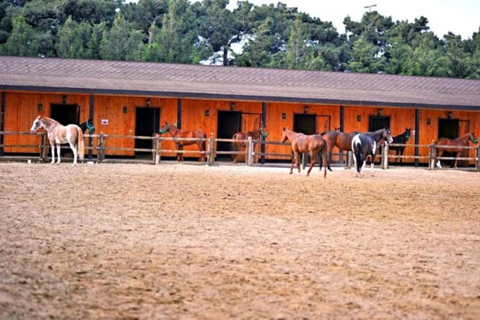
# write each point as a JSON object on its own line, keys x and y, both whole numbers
{"x": 400, "y": 119}
{"x": 21, "y": 109}
{"x": 275, "y": 122}
{"x": 193, "y": 115}
{"x": 119, "y": 123}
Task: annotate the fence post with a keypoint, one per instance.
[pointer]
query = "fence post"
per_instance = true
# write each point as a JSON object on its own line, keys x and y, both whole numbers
{"x": 385, "y": 156}
{"x": 250, "y": 151}
{"x": 349, "y": 159}
{"x": 211, "y": 151}
{"x": 477, "y": 160}
{"x": 431, "y": 156}
{"x": 44, "y": 147}
{"x": 156, "y": 142}
{"x": 101, "y": 147}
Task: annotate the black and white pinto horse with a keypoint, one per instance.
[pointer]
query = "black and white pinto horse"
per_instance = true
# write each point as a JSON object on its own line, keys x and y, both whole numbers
{"x": 366, "y": 144}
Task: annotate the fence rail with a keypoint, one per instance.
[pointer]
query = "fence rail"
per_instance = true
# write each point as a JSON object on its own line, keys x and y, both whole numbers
{"x": 211, "y": 151}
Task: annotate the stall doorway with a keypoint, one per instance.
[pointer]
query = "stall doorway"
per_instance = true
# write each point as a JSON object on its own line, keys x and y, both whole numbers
{"x": 65, "y": 113}
{"x": 146, "y": 124}
{"x": 305, "y": 123}
{"x": 229, "y": 123}
{"x": 378, "y": 122}
{"x": 451, "y": 129}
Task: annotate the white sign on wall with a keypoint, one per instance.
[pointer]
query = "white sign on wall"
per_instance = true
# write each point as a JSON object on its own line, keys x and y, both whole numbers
{"x": 104, "y": 122}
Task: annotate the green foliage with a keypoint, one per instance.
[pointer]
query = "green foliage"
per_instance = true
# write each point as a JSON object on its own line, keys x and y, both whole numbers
{"x": 272, "y": 36}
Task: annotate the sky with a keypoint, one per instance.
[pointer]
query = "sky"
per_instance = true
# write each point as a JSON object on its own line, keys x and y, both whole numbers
{"x": 462, "y": 17}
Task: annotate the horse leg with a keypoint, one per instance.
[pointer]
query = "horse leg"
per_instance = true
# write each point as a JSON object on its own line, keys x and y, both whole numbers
{"x": 52, "y": 146}
{"x": 75, "y": 153}
{"x": 313, "y": 160}
{"x": 58, "y": 153}
{"x": 325, "y": 165}
{"x": 372, "y": 164}
{"x": 439, "y": 155}
{"x": 298, "y": 162}
{"x": 455, "y": 161}
{"x": 201, "y": 159}
{"x": 293, "y": 161}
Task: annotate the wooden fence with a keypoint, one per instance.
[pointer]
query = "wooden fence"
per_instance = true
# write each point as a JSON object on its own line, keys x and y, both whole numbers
{"x": 211, "y": 153}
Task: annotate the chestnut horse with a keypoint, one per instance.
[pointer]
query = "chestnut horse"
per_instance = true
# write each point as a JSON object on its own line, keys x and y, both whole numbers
{"x": 462, "y": 141}
{"x": 242, "y": 136}
{"x": 58, "y": 134}
{"x": 179, "y": 133}
{"x": 302, "y": 143}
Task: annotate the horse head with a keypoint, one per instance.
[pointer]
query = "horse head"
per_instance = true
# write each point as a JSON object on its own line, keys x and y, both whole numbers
{"x": 387, "y": 135}
{"x": 166, "y": 128}
{"x": 472, "y": 137}
{"x": 407, "y": 133}
{"x": 284, "y": 135}
{"x": 37, "y": 124}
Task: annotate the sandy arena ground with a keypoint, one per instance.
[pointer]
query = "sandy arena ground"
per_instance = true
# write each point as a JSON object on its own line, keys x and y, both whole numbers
{"x": 196, "y": 242}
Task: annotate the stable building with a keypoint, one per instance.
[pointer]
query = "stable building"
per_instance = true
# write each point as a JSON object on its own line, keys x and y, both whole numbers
{"x": 135, "y": 99}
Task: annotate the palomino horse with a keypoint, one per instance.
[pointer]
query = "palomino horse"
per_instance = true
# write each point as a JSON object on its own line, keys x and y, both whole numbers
{"x": 59, "y": 134}
{"x": 179, "y": 133}
{"x": 343, "y": 141}
{"x": 458, "y": 142}
{"x": 302, "y": 143}
{"x": 400, "y": 139}
{"x": 366, "y": 144}
{"x": 240, "y": 137}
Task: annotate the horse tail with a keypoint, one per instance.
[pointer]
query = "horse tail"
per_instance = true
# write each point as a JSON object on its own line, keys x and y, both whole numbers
{"x": 357, "y": 152}
{"x": 80, "y": 144}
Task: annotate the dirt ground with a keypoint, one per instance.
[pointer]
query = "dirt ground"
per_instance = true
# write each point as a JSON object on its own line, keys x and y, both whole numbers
{"x": 197, "y": 242}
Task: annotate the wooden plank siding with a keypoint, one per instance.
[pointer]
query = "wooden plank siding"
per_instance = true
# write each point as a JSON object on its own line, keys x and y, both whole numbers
{"x": 21, "y": 109}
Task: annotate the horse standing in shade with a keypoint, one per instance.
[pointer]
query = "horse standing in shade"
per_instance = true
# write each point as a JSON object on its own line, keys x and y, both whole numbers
{"x": 302, "y": 143}
{"x": 87, "y": 125}
{"x": 366, "y": 144}
{"x": 401, "y": 139}
{"x": 58, "y": 134}
{"x": 242, "y": 136}
{"x": 462, "y": 141}
{"x": 179, "y": 133}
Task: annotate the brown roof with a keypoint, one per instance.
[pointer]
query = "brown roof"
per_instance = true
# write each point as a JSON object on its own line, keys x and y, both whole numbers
{"x": 232, "y": 83}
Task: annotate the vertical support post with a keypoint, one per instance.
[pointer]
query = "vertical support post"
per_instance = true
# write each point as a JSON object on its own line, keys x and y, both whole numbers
{"x": 90, "y": 139}
{"x": 431, "y": 156}
{"x": 2, "y": 122}
{"x": 155, "y": 149}
{"x": 342, "y": 128}
{"x": 44, "y": 146}
{"x": 101, "y": 146}
{"x": 417, "y": 135}
{"x": 158, "y": 149}
{"x": 211, "y": 150}
{"x": 349, "y": 159}
{"x": 264, "y": 121}
{"x": 250, "y": 152}
{"x": 179, "y": 113}
{"x": 477, "y": 160}
{"x": 385, "y": 156}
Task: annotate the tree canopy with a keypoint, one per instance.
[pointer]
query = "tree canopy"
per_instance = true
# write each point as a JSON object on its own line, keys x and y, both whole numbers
{"x": 206, "y": 31}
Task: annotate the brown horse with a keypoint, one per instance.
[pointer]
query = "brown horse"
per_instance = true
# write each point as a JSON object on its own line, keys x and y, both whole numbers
{"x": 343, "y": 141}
{"x": 179, "y": 133}
{"x": 58, "y": 134}
{"x": 240, "y": 137}
{"x": 302, "y": 143}
{"x": 458, "y": 142}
